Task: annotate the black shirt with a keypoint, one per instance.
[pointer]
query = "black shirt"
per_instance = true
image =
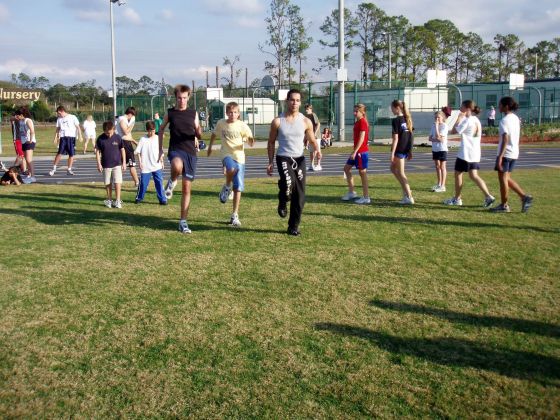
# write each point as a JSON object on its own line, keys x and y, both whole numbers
{"x": 404, "y": 144}
{"x": 182, "y": 130}
{"x": 110, "y": 149}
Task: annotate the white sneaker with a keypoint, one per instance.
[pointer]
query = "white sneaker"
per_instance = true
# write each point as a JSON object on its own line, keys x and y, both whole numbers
{"x": 435, "y": 188}
{"x": 3, "y": 167}
{"x": 440, "y": 188}
{"x": 184, "y": 227}
{"x": 70, "y": 172}
{"x": 224, "y": 193}
{"x": 52, "y": 172}
{"x": 117, "y": 204}
{"x": 318, "y": 168}
{"x": 108, "y": 203}
{"x": 230, "y": 195}
{"x": 349, "y": 196}
{"x": 453, "y": 201}
{"x": 169, "y": 188}
{"x": 234, "y": 220}
{"x": 407, "y": 200}
{"x": 363, "y": 200}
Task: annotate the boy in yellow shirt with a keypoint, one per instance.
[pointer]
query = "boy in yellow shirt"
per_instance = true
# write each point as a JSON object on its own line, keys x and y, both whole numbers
{"x": 233, "y": 134}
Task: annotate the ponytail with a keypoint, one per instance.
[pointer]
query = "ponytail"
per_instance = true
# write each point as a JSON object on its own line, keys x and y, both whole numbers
{"x": 509, "y": 103}
{"x": 400, "y": 105}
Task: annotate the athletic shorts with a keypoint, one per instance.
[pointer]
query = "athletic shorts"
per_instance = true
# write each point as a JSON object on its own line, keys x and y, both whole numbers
{"x": 129, "y": 154}
{"x": 67, "y": 146}
{"x": 189, "y": 162}
{"x": 239, "y": 168}
{"x": 507, "y": 164}
{"x": 18, "y": 147}
{"x": 112, "y": 175}
{"x": 464, "y": 166}
{"x": 28, "y": 146}
{"x": 361, "y": 161}
{"x": 441, "y": 156}
{"x": 401, "y": 155}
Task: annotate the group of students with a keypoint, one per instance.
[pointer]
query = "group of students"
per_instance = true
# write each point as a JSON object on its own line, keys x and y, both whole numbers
{"x": 468, "y": 126}
{"x": 23, "y": 135}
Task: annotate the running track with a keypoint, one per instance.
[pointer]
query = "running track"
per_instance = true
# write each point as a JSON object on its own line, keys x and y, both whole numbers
{"x": 86, "y": 170}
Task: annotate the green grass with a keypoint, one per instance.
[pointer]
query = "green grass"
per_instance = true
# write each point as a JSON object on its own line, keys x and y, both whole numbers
{"x": 375, "y": 310}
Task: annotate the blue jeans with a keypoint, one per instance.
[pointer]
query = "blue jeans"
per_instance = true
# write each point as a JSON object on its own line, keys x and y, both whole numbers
{"x": 145, "y": 181}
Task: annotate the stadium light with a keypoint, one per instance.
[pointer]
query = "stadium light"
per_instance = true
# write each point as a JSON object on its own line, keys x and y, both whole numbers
{"x": 120, "y": 3}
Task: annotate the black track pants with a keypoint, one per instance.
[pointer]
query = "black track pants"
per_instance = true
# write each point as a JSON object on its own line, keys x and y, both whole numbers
{"x": 292, "y": 186}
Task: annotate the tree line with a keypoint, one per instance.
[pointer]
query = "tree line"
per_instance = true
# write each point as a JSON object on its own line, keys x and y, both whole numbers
{"x": 437, "y": 44}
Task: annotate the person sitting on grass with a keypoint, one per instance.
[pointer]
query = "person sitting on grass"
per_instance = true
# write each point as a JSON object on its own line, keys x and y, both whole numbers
{"x": 233, "y": 134}
{"x": 326, "y": 138}
{"x": 151, "y": 164}
{"x": 111, "y": 160}
{"x": 11, "y": 176}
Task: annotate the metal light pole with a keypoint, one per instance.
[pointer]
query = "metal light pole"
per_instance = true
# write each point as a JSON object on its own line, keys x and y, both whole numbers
{"x": 120, "y": 3}
{"x": 341, "y": 78}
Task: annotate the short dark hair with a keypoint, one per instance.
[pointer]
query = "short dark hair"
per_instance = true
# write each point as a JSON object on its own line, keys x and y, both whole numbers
{"x": 150, "y": 125}
{"x": 60, "y": 108}
{"x": 292, "y": 91}
{"x": 108, "y": 125}
{"x": 181, "y": 89}
{"x": 308, "y": 106}
{"x": 130, "y": 110}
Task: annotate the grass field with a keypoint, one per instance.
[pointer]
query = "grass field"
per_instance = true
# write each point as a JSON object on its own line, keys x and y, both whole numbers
{"x": 378, "y": 310}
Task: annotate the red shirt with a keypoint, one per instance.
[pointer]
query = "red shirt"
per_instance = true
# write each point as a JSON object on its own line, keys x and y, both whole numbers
{"x": 359, "y": 126}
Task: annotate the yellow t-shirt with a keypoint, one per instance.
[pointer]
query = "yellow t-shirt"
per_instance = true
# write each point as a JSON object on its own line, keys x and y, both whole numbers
{"x": 233, "y": 135}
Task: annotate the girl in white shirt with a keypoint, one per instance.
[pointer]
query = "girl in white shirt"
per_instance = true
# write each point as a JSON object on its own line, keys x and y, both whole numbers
{"x": 468, "y": 159}
{"x": 89, "y": 131}
{"x": 438, "y": 137}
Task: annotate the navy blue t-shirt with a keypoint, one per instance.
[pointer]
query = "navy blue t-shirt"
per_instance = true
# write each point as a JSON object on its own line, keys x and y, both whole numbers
{"x": 110, "y": 149}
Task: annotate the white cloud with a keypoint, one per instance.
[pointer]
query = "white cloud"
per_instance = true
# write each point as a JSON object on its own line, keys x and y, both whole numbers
{"x": 131, "y": 16}
{"x": 239, "y": 7}
{"x": 18, "y": 65}
{"x": 4, "y": 13}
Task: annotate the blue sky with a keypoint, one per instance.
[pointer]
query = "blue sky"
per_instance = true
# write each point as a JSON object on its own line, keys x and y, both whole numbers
{"x": 68, "y": 41}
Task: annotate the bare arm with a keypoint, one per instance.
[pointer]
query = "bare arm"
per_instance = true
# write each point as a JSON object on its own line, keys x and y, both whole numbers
{"x": 271, "y": 143}
{"x": 359, "y": 144}
{"x": 310, "y": 138}
{"x": 212, "y": 139}
{"x": 98, "y": 158}
{"x": 160, "y": 134}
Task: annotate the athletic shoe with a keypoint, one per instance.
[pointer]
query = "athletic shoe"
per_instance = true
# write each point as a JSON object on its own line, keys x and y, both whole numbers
{"x": 230, "y": 195}
{"x": 488, "y": 201}
{"x": 137, "y": 201}
{"x": 169, "y": 188}
{"x": 163, "y": 203}
{"x": 184, "y": 227}
{"x": 318, "y": 168}
{"x": 234, "y": 220}
{"x": 70, "y": 172}
{"x": 311, "y": 169}
{"x": 108, "y": 203}
{"x": 407, "y": 200}
{"x": 350, "y": 195}
{"x": 3, "y": 167}
{"x": 440, "y": 189}
{"x": 526, "y": 203}
{"x": 363, "y": 200}
{"x": 434, "y": 188}
{"x": 117, "y": 204}
{"x": 282, "y": 210}
{"x": 501, "y": 208}
{"x": 453, "y": 201}
{"x": 52, "y": 172}
{"x": 224, "y": 193}
{"x": 293, "y": 232}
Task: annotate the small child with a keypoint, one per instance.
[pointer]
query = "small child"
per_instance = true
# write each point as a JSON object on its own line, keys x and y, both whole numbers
{"x": 438, "y": 137}
{"x": 358, "y": 157}
{"x": 233, "y": 134}
{"x": 151, "y": 163}
{"x": 11, "y": 176}
{"x": 326, "y": 138}
{"x": 111, "y": 160}
{"x": 89, "y": 132}
{"x": 401, "y": 148}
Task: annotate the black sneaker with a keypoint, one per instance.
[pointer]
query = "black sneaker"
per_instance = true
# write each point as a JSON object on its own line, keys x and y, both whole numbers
{"x": 293, "y": 232}
{"x": 501, "y": 208}
{"x": 526, "y": 203}
{"x": 282, "y": 210}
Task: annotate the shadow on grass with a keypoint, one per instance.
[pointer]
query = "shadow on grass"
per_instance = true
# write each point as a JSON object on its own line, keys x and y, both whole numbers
{"x": 506, "y": 323}
{"x": 458, "y": 353}
{"x": 431, "y": 222}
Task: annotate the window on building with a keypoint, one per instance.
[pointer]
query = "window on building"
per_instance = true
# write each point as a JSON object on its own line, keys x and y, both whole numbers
{"x": 524, "y": 100}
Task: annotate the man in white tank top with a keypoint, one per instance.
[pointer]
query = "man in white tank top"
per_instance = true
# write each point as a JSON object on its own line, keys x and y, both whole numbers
{"x": 293, "y": 131}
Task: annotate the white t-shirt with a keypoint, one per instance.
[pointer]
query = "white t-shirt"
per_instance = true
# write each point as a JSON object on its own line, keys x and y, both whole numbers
{"x": 148, "y": 149}
{"x": 89, "y": 128}
{"x": 470, "y": 130}
{"x": 127, "y": 123}
{"x": 511, "y": 126}
{"x": 28, "y": 123}
{"x": 68, "y": 125}
{"x": 439, "y": 146}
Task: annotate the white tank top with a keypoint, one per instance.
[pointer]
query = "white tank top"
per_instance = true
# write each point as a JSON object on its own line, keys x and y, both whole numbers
{"x": 291, "y": 136}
